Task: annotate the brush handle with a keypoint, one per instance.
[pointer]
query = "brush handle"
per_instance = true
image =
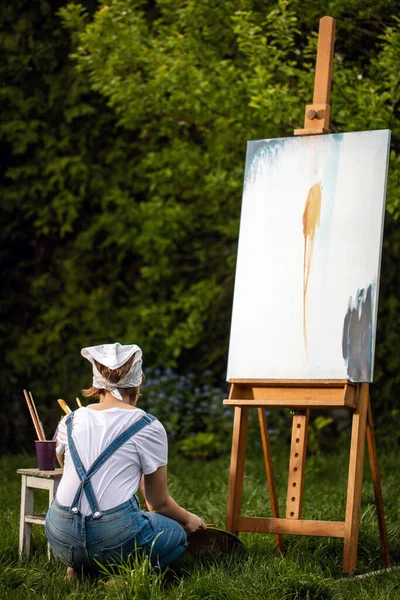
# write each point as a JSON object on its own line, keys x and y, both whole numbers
{"x": 37, "y": 416}
{"x": 33, "y": 417}
{"x": 64, "y": 406}
{"x": 55, "y": 435}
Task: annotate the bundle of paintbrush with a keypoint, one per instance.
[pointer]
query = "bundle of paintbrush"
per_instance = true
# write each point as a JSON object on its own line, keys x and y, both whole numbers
{"x": 34, "y": 416}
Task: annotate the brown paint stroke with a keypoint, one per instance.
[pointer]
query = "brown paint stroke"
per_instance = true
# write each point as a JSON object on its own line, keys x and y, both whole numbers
{"x": 311, "y": 220}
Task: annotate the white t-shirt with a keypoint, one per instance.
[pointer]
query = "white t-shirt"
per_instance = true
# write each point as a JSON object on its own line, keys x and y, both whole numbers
{"x": 118, "y": 478}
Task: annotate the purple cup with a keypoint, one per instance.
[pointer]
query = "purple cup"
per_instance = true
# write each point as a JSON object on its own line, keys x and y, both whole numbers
{"x": 46, "y": 455}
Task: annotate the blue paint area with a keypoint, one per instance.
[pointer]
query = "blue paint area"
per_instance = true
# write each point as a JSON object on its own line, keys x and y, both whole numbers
{"x": 329, "y": 183}
{"x": 357, "y": 339}
{"x": 328, "y": 177}
{"x": 260, "y": 150}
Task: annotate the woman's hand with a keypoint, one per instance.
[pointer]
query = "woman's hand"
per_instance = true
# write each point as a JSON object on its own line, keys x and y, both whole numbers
{"x": 193, "y": 523}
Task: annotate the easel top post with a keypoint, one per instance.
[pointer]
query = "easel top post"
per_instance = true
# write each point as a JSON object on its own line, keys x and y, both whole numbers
{"x": 317, "y": 114}
{"x": 323, "y": 68}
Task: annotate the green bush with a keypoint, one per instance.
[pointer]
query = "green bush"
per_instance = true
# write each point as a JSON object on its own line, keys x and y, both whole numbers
{"x": 123, "y": 132}
{"x": 187, "y": 405}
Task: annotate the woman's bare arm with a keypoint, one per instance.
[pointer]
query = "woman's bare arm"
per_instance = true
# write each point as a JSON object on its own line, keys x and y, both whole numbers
{"x": 159, "y": 501}
{"x": 60, "y": 459}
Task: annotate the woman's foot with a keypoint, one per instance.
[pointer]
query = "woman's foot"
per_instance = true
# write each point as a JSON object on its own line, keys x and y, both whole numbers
{"x": 71, "y": 575}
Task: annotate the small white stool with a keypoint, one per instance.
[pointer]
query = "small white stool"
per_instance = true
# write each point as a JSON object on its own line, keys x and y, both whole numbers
{"x": 34, "y": 479}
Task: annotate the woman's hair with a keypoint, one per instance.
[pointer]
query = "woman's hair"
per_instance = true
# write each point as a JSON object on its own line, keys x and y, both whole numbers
{"x": 113, "y": 376}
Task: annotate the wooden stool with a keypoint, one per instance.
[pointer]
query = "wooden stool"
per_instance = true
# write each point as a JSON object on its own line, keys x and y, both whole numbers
{"x": 34, "y": 479}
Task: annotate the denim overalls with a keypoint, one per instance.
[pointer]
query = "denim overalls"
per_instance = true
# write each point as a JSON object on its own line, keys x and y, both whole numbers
{"x": 109, "y": 536}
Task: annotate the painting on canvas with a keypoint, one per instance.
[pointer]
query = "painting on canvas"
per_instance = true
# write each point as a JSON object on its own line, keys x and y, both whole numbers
{"x": 307, "y": 274}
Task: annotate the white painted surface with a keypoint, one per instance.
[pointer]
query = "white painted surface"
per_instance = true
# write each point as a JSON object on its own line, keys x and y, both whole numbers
{"x": 267, "y": 338}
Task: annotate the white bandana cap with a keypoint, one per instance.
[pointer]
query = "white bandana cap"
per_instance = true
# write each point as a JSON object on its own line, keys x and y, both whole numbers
{"x": 114, "y": 356}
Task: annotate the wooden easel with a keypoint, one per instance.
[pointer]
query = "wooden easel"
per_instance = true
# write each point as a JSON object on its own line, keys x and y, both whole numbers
{"x": 301, "y": 396}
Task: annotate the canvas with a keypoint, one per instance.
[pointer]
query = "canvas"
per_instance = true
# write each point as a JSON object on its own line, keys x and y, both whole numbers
{"x": 307, "y": 274}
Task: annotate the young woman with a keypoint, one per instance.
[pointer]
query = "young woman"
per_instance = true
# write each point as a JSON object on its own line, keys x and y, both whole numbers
{"x": 105, "y": 449}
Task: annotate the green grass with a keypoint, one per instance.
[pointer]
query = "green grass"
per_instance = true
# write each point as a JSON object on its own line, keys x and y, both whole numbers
{"x": 310, "y": 568}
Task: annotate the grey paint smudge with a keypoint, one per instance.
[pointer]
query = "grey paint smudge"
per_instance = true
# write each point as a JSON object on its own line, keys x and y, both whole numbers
{"x": 357, "y": 336}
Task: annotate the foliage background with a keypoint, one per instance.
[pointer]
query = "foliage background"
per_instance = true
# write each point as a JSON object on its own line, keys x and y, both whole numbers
{"x": 123, "y": 132}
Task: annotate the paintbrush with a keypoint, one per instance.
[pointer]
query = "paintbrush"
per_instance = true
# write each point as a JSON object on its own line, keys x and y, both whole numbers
{"x": 55, "y": 435}
{"x": 37, "y": 416}
{"x": 36, "y": 424}
{"x": 78, "y": 402}
{"x": 64, "y": 406}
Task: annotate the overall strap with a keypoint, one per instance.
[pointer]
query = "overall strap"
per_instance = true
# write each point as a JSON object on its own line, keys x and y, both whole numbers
{"x": 120, "y": 441}
{"x": 85, "y": 485}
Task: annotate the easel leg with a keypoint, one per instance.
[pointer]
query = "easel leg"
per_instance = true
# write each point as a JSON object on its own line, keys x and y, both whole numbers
{"x": 236, "y": 475}
{"x": 373, "y": 460}
{"x": 354, "y": 485}
{"x": 269, "y": 469}
{"x": 297, "y": 464}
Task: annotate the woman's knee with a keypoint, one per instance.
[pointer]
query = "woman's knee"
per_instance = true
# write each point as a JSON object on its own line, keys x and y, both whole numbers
{"x": 183, "y": 540}
{"x": 168, "y": 535}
